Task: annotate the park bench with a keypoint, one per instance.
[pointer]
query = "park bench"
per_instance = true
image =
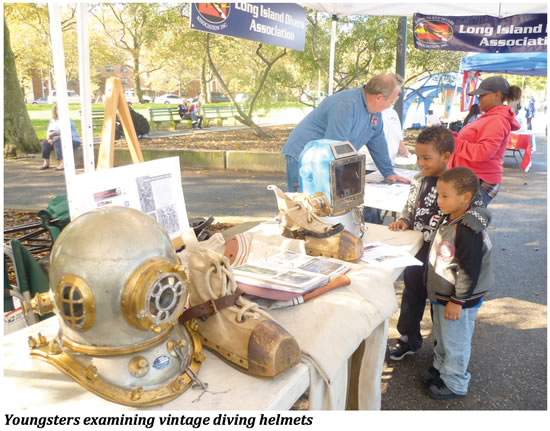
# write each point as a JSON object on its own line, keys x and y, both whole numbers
{"x": 97, "y": 117}
{"x": 220, "y": 113}
{"x": 163, "y": 115}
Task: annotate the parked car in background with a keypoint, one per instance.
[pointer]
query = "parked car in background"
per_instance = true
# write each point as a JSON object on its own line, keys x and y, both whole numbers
{"x": 72, "y": 96}
{"x": 131, "y": 97}
{"x": 169, "y": 99}
{"x": 219, "y": 97}
{"x": 41, "y": 101}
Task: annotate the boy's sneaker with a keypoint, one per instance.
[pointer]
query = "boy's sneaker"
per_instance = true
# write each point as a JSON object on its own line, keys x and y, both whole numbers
{"x": 400, "y": 350}
{"x": 440, "y": 391}
{"x": 430, "y": 376}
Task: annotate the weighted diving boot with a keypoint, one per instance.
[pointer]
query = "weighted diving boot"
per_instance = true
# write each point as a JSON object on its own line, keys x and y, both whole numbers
{"x": 230, "y": 324}
{"x": 321, "y": 238}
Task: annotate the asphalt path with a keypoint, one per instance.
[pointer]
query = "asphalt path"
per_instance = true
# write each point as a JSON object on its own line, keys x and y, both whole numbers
{"x": 509, "y": 349}
{"x": 229, "y": 196}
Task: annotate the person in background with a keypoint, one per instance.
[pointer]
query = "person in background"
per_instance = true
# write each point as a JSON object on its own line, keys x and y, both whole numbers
{"x": 458, "y": 276}
{"x": 530, "y": 112}
{"x": 183, "y": 110}
{"x": 481, "y": 145}
{"x": 394, "y": 137}
{"x": 350, "y": 115}
{"x": 473, "y": 114}
{"x": 54, "y": 141}
{"x": 432, "y": 119}
{"x": 197, "y": 114}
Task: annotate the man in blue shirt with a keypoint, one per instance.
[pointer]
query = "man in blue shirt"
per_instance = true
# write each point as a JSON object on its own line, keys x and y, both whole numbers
{"x": 350, "y": 115}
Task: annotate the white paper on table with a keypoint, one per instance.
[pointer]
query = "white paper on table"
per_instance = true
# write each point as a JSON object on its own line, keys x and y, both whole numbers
{"x": 400, "y": 160}
{"x": 388, "y": 256}
{"x": 376, "y": 176}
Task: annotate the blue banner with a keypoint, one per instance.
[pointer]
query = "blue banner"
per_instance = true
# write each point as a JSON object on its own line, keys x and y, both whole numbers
{"x": 483, "y": 33}
{"x": 281, "y": 24}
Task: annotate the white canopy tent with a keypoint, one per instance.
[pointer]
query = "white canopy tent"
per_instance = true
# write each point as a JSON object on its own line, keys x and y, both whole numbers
{"x": 498, "y": 9}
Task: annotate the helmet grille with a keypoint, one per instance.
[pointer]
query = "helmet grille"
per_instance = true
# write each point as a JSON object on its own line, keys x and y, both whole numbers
{"x": 164, "y": 297}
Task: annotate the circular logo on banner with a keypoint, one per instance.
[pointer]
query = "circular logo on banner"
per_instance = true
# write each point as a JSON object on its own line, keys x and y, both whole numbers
{"x": 214, "y": 13}
{"x": 433, "y": 32}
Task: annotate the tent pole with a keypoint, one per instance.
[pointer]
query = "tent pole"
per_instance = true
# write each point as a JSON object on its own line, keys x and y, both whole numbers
{"x": 332, "y": 49}
{"x": 453, "y": 99}
{"x": 401, "y": 60}
{"x": 58, "y": 52}
{"x": 85, "y": 93}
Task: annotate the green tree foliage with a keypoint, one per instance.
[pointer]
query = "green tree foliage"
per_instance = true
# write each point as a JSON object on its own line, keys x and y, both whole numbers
{"x": 31, "y": 44}
{"x": 365, "y": 46}
{"x": 19, "y": 134}
{"x": 134, "y": 29}
{"x": 181, "y": 53}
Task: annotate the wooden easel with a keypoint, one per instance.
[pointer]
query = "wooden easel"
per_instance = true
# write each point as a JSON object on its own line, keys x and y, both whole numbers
{"x": 116, "y": 102}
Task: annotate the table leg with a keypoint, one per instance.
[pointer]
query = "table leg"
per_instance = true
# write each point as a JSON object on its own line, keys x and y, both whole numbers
{"x": 367, "y": 363}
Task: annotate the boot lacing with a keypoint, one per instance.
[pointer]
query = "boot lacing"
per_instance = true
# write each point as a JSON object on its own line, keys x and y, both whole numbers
{"x": 309, "y": 215}
{"x": 244, "y": 308}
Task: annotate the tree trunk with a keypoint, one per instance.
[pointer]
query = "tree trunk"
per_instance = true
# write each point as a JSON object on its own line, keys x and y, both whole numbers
{"x": 204, "y": 87}
{"x": 137, "y": 82}
{"x": 19, "y": 135}
{"x": 244, "y": 117}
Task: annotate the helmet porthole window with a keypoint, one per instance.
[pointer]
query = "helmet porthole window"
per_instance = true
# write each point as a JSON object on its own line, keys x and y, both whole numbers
{"x": 155, "y": 295}
{"x": 75, "y": 302}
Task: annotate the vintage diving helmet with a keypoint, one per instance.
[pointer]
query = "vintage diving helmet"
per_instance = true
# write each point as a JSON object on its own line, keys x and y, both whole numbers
{"x": 117, "y": 289}
{"x": 332, "y": 173}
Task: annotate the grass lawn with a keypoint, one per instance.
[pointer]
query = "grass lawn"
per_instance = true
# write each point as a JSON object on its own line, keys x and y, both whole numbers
{"x": 40, "y": 115}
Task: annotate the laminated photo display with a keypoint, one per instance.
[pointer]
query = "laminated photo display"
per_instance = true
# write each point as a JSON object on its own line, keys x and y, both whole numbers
{"x": 153, "y": 187}
{"x": 289, "y": 271}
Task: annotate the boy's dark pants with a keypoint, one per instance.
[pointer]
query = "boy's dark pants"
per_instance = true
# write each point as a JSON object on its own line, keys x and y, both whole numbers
{"x": 413, "y": 300}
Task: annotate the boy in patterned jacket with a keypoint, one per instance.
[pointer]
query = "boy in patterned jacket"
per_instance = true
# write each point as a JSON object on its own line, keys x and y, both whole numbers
{"x": 434, "y": 147}
{"x": 459, "y": 274}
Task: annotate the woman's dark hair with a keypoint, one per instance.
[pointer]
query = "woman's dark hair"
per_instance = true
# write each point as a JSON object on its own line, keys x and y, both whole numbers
{"x": 474, "y": 110}
{"x": 514, "y": 94}
{"x": 439, "y": 136}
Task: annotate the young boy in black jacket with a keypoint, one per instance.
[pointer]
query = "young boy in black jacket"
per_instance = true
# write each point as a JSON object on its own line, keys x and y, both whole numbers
{"x": 459, "y": 274}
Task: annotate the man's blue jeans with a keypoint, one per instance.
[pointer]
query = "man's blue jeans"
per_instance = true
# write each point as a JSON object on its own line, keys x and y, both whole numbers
{"x": 453, "y": 348}
{"x": 292, "y": 174}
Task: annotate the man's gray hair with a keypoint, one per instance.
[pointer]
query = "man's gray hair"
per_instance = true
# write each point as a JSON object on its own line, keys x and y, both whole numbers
{"x": 384, "y": 84}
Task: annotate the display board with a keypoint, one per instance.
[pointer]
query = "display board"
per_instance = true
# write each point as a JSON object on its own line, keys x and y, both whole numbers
{"x": 153, "y": 187}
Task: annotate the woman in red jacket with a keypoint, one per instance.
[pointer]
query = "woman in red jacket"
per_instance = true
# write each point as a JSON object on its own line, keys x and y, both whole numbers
{"x": 481, "y": 144}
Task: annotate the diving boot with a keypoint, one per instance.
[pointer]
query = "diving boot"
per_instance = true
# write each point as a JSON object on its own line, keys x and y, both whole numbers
{"x": 321, "y": 238}
{"x": 230, "y": 324}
